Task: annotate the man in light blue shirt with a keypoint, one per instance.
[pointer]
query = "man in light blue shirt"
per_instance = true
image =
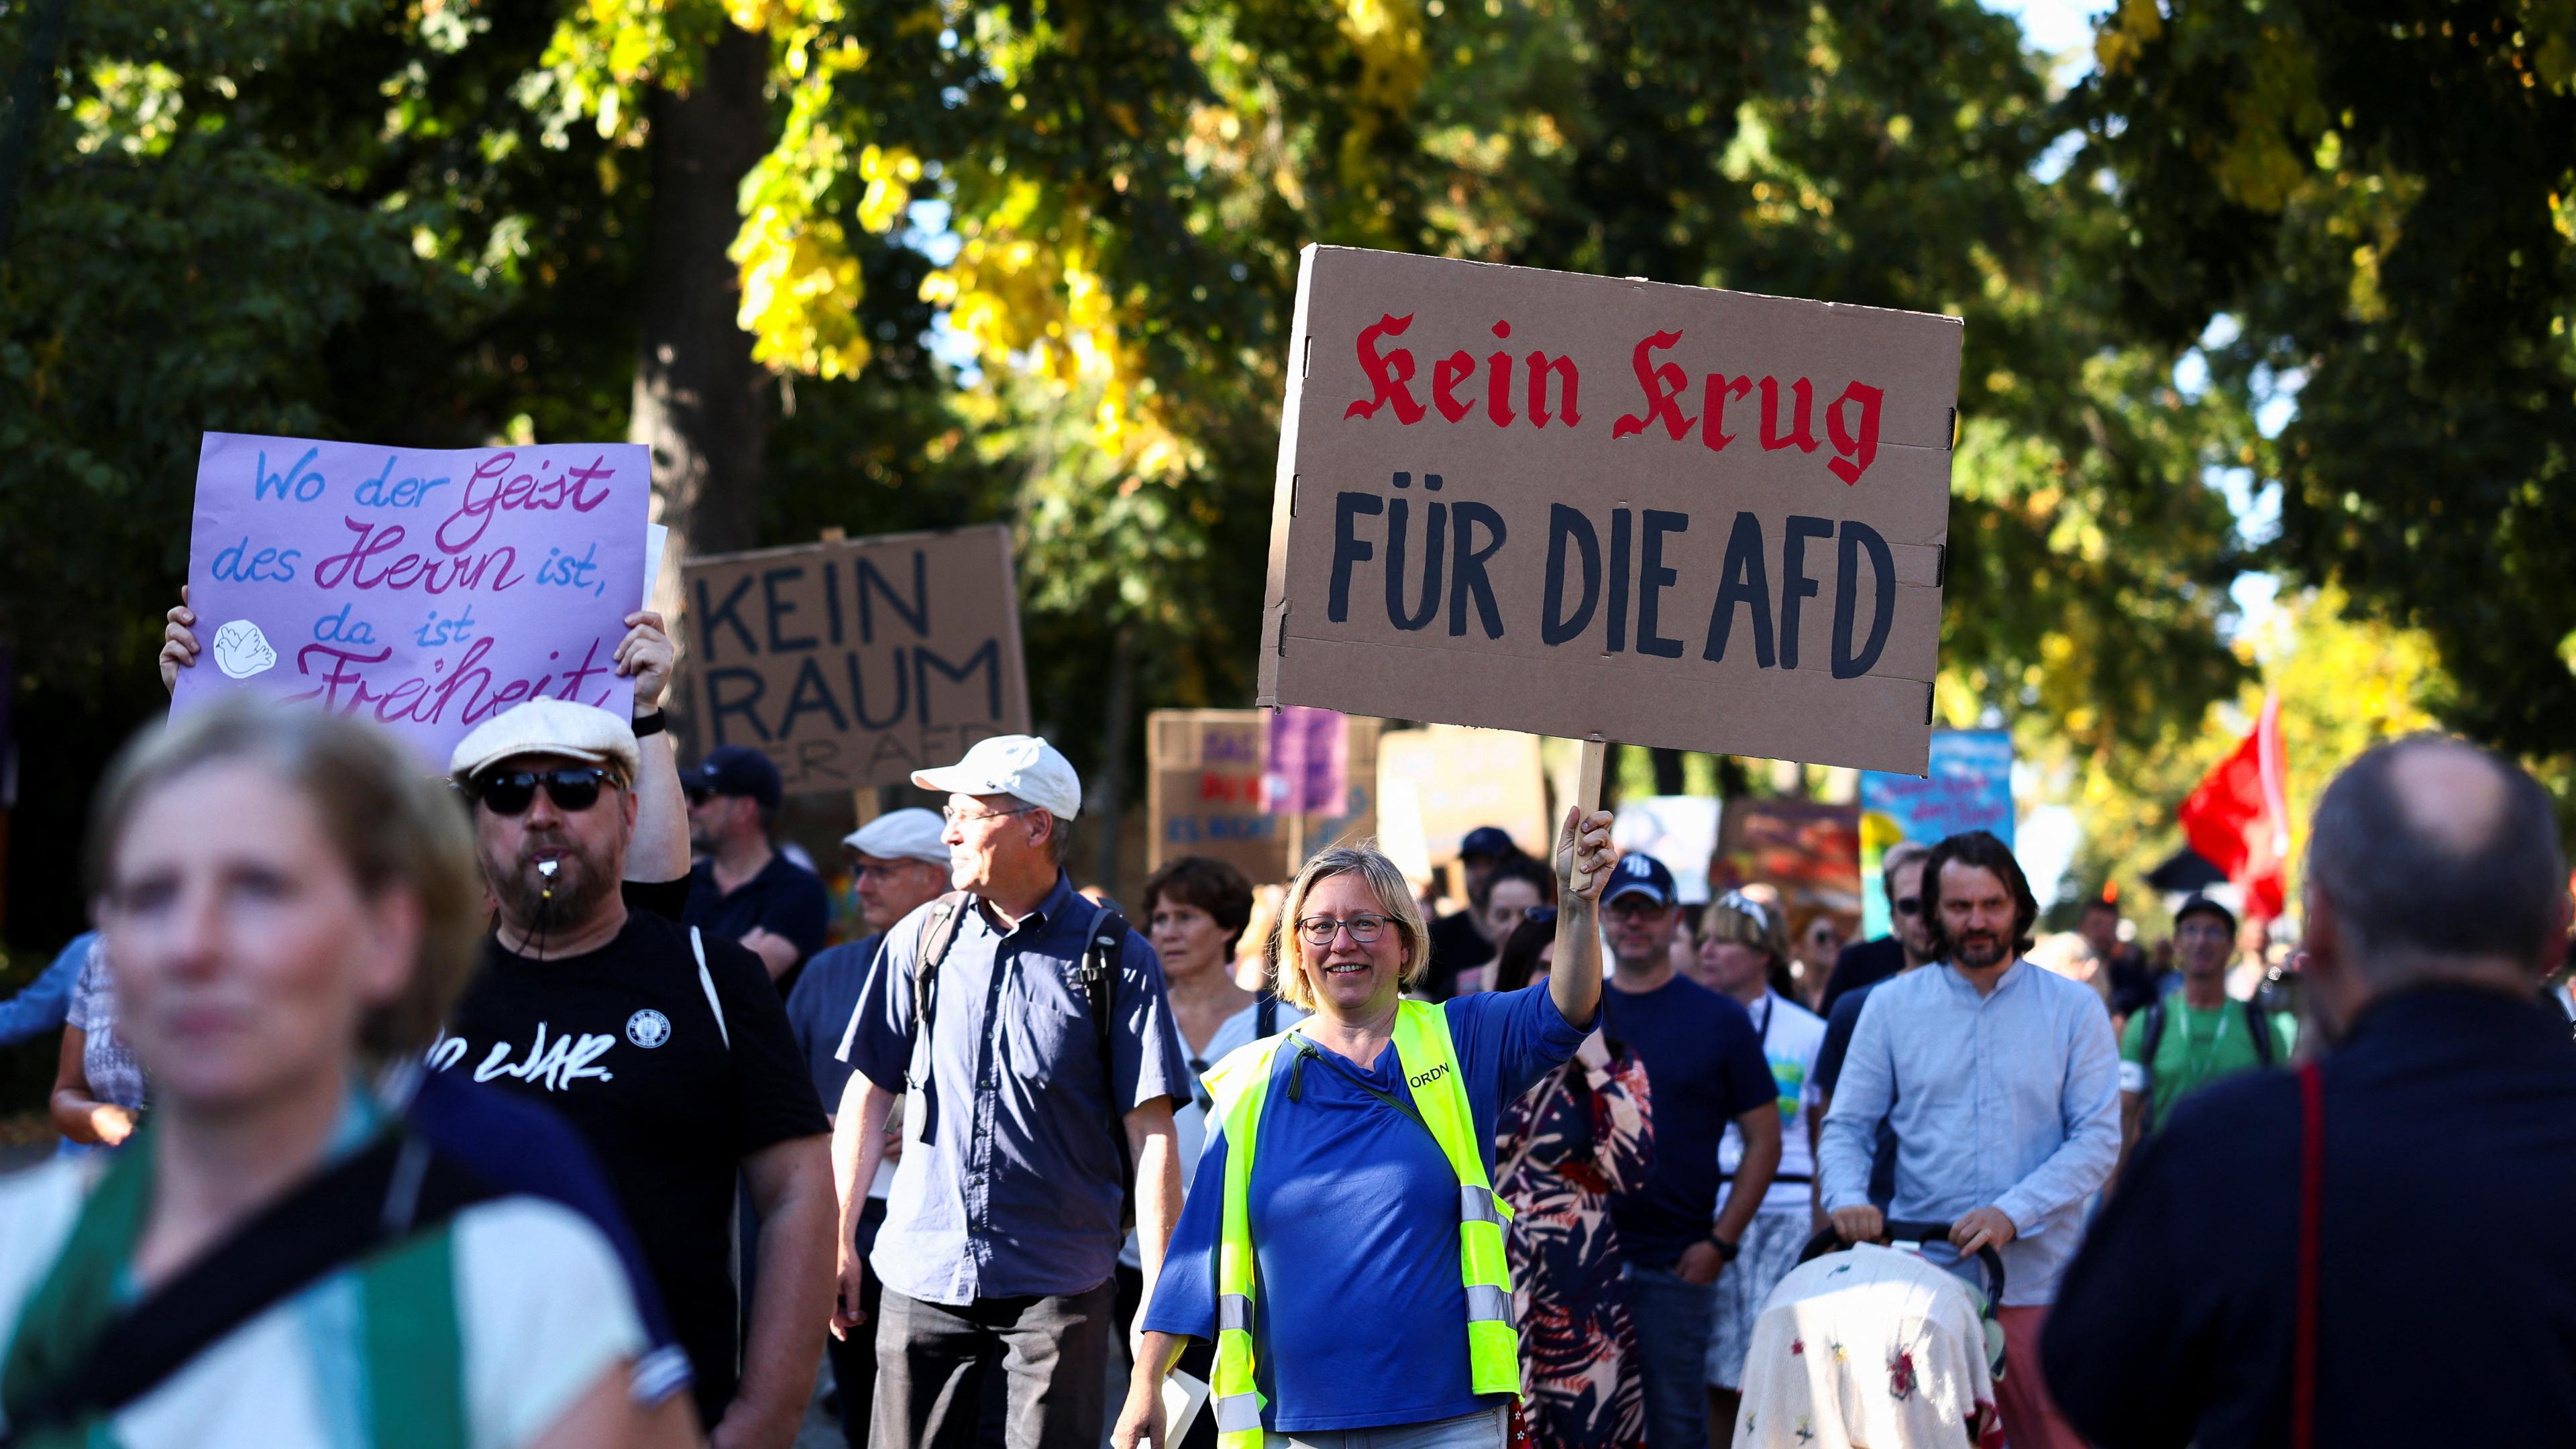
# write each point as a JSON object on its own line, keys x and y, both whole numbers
{"x": 2001, "y": 1081}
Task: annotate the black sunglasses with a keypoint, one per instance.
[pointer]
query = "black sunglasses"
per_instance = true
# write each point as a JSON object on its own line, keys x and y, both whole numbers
{"x": 1908, "y": 905}
{"x": 1540, "y": 915}
{"x": 572, "y": 788}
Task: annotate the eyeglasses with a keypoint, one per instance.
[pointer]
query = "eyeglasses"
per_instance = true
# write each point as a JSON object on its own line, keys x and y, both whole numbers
{"x": 572, "y": 788}
{"x": 1320, "y": 930}
{"x": 955, "y": 816}
{"x": 1636, "y": 906}
{"x": 1908, "y": 905}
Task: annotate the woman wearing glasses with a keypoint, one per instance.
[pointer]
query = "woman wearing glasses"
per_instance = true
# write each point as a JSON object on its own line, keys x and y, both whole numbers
{"x": 1563, "y": 1147}
{"x": 1744, "y": 953}
{"x": 1341, "y": 1244}
{"x": 279, "y": 1259}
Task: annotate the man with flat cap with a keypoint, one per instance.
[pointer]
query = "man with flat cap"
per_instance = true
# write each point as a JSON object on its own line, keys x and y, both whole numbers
{"x": 742, "y": 888}
{"x": 666, "y": 1049}
{"x": 1029, "y": 1113}
{"x": 898, "y": 864}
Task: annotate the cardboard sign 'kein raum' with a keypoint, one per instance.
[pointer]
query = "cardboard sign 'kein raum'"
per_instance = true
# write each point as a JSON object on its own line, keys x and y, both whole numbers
{"x": 1581, "y": 506}
{"x": 855, "y": 663}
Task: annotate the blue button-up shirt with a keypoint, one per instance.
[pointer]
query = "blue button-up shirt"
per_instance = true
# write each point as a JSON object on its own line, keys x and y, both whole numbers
{"x": 2009, "y": 1100}
{"x": 1017, "y": 1192}
{"x": 42, "y": 1006}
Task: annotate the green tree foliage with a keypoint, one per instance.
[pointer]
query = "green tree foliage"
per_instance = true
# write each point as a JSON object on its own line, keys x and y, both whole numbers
{"x": 428, "y": 222}
{"x": 2381, "y": 196}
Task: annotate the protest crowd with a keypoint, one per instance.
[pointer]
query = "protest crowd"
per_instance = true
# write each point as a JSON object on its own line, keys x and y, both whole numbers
{"x": 531, "y": 1107}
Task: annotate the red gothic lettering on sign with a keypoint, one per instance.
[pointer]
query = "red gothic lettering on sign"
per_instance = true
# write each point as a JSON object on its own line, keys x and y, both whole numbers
{"x": 1390, "y": 373}
{"x": 1540, "y": 364}
{"x": 1446, "y": 374}
{"x": 1858, "y": 445}
{"x": 1498, "y": 381}
{"x": 1720, "y": 391}
{"x": 1662, "y": 385}
{"x": 1803, "y": 435}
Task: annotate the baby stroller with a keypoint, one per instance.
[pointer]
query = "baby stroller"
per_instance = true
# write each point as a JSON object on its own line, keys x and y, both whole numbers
{"x": 1875, "y": 1348}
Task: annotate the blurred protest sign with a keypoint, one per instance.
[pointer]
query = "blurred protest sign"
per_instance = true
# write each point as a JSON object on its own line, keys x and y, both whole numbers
{"x": 1206, "y": 792}
{"x": 1306, "y": 770}
{"x": 1807, "y": 851}
{"x": 428, "y": 590}
{"x": 854, "y": 662}
{"x": 1436, "y": 784}
{"x": 1969, "y": 788}
{"x": 1666, "y": 515}
{"x": 1679, "y": 830}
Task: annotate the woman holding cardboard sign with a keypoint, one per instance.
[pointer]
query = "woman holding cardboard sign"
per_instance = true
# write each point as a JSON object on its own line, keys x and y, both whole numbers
{"x": 1342, "y": 1245}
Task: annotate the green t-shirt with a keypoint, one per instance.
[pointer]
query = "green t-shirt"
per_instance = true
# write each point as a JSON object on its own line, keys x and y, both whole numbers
{"x": 2198, "y": 1047}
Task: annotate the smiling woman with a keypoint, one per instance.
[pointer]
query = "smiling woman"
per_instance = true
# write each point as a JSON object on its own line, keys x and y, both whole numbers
{"x": 1350, "y": 1163}
{"x": 289, "y": 903}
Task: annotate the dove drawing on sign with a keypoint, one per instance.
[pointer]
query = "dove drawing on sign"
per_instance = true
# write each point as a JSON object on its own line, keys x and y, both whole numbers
{"x": 242, "y": 651}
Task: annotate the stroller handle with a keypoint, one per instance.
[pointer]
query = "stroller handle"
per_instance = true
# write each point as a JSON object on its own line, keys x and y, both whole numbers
{"x": 1831, "y": 1240}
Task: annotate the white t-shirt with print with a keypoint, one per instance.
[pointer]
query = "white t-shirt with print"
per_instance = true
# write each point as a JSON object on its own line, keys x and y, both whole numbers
{"x": 541, "y": 1307}
{"x": 1189, "y": 1119}
{"x": 1791, "y": 1037}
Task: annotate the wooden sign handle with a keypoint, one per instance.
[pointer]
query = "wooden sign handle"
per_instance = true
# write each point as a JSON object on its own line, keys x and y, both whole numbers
{"x": 1587, "y": 799}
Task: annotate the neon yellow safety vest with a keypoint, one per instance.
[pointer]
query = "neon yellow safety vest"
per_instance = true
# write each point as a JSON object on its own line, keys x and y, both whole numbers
{"x": 1240, "y": 1084}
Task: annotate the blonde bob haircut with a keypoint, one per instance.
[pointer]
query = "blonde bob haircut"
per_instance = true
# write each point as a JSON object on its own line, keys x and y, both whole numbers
{"x": 392, "y": 825}
{"x": 1285, "y": 954}
{"x": 1738, "y": 919}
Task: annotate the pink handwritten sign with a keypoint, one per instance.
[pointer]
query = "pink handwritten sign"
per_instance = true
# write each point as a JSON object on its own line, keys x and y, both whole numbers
{"x": 428, "y": 590}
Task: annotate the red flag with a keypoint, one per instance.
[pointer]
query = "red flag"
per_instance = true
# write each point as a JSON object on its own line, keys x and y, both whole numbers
{"x": 2239, "y": 818}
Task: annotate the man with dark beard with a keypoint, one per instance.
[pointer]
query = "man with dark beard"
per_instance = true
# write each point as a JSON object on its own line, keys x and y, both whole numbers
{"x": 2001, "y": 1082}
{"x": 669, "y": 1052}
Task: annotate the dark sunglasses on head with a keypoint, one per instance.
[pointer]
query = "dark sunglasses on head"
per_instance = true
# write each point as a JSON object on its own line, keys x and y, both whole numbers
{"x": 572, "y": 787}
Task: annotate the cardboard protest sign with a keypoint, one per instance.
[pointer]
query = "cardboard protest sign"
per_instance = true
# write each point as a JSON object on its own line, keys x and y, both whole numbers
{"x": 1206, "y": 791}
{"x": 1306, "y": 770}
{"x": 1968, "y": 787}
{"x": 1585, "y": 506}
{"x": 1807, "y": 851}
{"x": 856, "y": 662}
{"x": 1436, "y": 784}
{"x": 1679, "y": 830}
{"x": 428, "y": 590}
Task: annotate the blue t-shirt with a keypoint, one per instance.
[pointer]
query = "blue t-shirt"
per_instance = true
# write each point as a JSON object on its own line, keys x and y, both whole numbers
{"x": 1360, "y": 1318}
{"x": 1704, "y": 1067}
{"x": 822, "y": 1007}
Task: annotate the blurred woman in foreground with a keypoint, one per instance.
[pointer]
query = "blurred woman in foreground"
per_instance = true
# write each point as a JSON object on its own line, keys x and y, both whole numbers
{"x": 1561, "y": 1149}
{"x": 290, "y": 902}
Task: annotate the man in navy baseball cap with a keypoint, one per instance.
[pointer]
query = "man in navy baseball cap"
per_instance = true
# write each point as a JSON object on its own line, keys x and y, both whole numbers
{"x": 741, "y": 888}
{"x": 1639, "y": 874}
{"x": 1704, "y": 1056}
{"x": 1458, "y": 940}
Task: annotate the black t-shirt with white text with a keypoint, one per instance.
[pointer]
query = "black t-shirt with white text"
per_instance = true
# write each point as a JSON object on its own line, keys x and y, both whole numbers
{"x": 623, "y": 1044}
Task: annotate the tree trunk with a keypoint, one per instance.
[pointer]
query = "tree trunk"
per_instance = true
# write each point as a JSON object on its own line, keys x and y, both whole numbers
{"x": 701, "y": 403}
{"x": 1668, "y": 770}
{"x": 1107, "y": 790}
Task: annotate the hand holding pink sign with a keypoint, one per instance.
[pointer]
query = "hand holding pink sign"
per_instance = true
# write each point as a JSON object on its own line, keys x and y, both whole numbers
{"x": 428, "y": 590}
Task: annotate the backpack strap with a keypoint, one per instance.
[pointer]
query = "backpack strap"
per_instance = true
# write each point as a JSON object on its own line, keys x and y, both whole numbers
{"x": 1100, "y": 983}
{"x": 707, "y": 984}
{"x": 938, "y": 933}
{"x": 2259, "y": 1022}
{"x": 2155, "y": 1033}
{"x": 394, "y": 1191}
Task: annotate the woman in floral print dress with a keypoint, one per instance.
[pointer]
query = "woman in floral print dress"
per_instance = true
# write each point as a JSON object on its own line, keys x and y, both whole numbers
{"x": 1579, "y": 1135}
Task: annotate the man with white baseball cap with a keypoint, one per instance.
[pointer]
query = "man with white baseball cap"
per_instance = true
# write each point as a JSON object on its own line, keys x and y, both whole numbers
{"x": 1048, "y": 1069}
{"x": 898, "y": 864}
{"x": 666, "y": 1050}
